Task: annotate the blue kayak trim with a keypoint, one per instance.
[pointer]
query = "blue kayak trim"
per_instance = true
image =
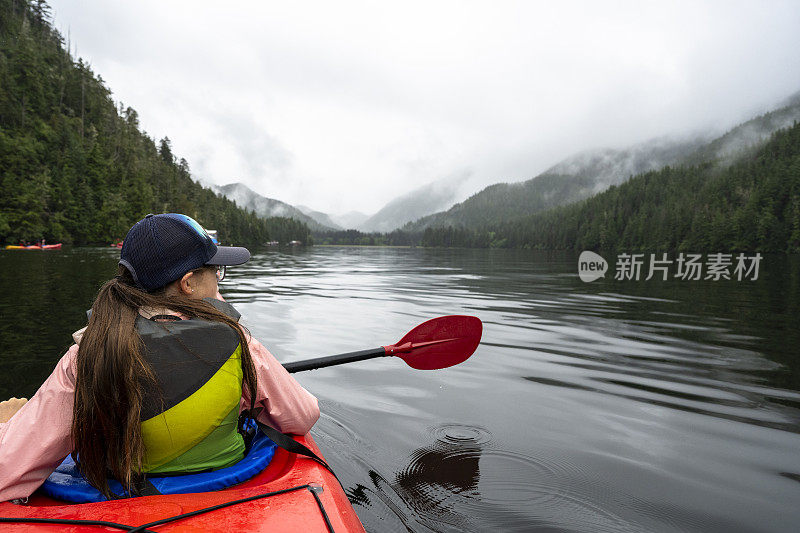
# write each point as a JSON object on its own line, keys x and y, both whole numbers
{"x": 67, "y": 483}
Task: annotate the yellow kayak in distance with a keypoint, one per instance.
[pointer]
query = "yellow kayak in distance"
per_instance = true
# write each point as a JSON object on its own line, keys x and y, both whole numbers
{"x": 34, "y": 247}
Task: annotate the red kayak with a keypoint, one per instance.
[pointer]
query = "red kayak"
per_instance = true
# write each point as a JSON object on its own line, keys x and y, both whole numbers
{"x": 294, "y": 493}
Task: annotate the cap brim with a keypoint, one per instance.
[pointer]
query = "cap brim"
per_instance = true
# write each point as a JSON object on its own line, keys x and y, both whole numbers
{"x": 229, "y": 255}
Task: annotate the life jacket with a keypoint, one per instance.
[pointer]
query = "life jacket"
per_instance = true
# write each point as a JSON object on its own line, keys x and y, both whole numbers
{"x": 189, "y": 419}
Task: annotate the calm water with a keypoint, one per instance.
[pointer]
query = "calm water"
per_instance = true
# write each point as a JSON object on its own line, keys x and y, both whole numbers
{"x": 602, "y": 407}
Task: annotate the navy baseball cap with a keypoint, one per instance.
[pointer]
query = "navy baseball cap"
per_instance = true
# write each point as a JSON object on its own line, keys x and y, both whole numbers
{"x": 161, "y": 248}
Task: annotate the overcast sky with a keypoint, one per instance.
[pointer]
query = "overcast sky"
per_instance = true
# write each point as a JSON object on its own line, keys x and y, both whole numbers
{"x": 347, "y": 105}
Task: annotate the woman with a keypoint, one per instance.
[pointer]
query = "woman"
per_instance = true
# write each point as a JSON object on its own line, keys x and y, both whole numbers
{"x": 156, "y": 381}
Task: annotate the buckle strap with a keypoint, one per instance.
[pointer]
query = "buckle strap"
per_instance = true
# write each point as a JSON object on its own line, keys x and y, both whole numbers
{"x": 140, "y": 486}
{"x": 144, "y": 487}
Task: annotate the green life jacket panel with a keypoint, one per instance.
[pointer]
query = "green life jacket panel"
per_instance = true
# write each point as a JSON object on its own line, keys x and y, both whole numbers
{"x": 189, "y": 421}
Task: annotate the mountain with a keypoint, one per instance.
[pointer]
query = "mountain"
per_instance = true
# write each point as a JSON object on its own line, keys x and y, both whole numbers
{"x": 573, "y": 179}
{"x": 606, "y": 167}
{"x": 751, "y": 205}
{"x": 504, "y": 201}
{"x": 420, "y": 202}
{"x": 349, "y": 220}
{"x": 319, "y": 216}
{"x": 588, "y": 173}
{"x": 264, "y": 207}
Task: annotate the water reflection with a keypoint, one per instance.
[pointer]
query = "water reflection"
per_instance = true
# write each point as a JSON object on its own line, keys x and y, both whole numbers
{"x": 446, "y": 468}
{"x": 43, "y": 298}
{"x": 438, "y": 482}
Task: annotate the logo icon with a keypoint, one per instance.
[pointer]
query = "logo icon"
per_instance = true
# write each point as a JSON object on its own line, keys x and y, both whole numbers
{"x": 591, "y": 266}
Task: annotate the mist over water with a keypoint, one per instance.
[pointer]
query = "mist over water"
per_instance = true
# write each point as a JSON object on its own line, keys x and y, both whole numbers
{"x": 605, "y": 406}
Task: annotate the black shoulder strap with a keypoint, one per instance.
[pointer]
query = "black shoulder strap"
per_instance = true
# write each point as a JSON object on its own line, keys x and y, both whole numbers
{"x": 288, "y": 443}
{"x": 224, "y": 307}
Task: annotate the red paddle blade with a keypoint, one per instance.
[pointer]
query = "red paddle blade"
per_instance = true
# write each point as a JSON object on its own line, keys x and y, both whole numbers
{"x": 439, "y": 343}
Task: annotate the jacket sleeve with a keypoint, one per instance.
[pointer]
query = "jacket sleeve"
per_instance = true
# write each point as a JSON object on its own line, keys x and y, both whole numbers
{"x": 38, "y": 437}
{"x": 285, "y": 405}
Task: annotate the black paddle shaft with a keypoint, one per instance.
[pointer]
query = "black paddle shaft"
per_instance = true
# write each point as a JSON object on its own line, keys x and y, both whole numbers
{"x": 331, "y": 360}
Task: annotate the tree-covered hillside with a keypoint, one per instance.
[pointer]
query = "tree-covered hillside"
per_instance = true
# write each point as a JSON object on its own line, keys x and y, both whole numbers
{"x": 74, "y": 167}
{"x": 752, "y": 205}
{"x": 507, "y": 201}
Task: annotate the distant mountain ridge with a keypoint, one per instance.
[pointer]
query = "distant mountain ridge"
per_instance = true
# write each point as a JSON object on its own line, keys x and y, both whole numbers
{"x": 350, "y": 220}
{"x": 264, "y": 207}
{"x": 319, "y": 216}
{"x": 606, "y": 167}
{"x": 749, "y": 135}
{"x": 588, "y": 173}
{"x": 420, "y": 202}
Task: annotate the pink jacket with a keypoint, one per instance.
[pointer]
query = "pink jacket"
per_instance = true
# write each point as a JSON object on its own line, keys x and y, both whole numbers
{"x": 37, "y": 438}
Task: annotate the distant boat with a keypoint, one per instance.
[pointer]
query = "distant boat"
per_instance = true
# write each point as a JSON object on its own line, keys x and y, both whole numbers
{"x": 34, "y": 247}
{"x": 295, "y": 243}
{"x": 272, "y": 243}
{"x": 116, "y": 244}
{"x": 213, "y": 234}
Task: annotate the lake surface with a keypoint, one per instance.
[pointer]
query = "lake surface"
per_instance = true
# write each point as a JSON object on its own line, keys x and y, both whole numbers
{"x": 609, "y": 406}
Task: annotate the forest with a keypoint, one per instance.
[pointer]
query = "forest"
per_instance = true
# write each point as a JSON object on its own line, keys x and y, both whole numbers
{"x": 353, "y": 237}
{"x": 75, "y": 167}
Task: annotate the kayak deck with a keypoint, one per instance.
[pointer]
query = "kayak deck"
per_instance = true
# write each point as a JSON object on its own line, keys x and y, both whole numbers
{"x": 308, "y": 498}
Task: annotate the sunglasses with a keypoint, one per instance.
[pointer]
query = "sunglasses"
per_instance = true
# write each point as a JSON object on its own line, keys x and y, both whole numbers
{"x": 219, "y": 270}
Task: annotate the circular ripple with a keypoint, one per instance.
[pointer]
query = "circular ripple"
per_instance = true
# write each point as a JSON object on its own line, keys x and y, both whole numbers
{"x": 446, "y": 483}
{"x": 461, "y": 434}
{"x": 508, "y": 476}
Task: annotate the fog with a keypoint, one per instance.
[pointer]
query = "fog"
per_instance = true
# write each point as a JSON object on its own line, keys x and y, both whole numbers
{"x": 345, "y": 106}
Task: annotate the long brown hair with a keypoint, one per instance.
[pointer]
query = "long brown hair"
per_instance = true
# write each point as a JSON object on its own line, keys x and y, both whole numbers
{"x": 112, "y": 373}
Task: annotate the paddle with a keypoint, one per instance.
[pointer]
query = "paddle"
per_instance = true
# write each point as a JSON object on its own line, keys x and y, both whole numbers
{"x": 438, "y": 343}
